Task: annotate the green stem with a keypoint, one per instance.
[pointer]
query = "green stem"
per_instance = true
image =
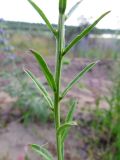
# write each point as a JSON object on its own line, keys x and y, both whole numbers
{"x": 59, "y": 46}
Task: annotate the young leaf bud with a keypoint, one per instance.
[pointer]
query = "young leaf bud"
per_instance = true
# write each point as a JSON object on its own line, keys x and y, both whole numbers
{"x": 62, "y": 6}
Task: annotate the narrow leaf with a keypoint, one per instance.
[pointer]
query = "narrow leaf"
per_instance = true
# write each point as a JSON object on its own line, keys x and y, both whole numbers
{"x": 45, "y": 69}
{"x": 65, "y": 126}
{"x": 72, "y": 9}
{"x": 69, "y": 116}
{"x": 41, "y": 151}
{"x": 41, "y": 13}
{"x": 76, "y": 79}
{"x": 68, "y": 119}
{"x": 41, "y": 88}
{"x": 83, "y": 34}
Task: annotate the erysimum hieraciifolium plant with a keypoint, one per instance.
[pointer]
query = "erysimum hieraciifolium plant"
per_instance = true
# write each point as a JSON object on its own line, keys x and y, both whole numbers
{"x": 54, "y": 80}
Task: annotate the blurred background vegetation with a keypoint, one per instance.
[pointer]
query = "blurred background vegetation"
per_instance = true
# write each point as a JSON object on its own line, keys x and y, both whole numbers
{"x": 99, "y": 44}
{"x": 99, "y": 130}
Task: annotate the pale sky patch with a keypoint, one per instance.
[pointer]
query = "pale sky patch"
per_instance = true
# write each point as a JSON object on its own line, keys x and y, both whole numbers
{"x": 20, "y": 10}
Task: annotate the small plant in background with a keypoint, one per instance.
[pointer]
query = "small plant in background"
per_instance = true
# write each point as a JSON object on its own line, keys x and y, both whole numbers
{"x": 54, "y": 82}
{"x": 112, "y": 117}
{"x": 29, "y": 103}
{"x": 106, "y": 122}
{"x": 18, "y": 86}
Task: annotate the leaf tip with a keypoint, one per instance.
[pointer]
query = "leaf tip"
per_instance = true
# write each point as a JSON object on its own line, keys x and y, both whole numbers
{"x": 31, "y": 50}
{"x": 75, "y": 123}
{"x": 107, "y": 12}
{"x": 24, "y": 69}
{"x": 97, "y": 62}
{"x": 79, "y": 1}
{"x": 29, "y": 1}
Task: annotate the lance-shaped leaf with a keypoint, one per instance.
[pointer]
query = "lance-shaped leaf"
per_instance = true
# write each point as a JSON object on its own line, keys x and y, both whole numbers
{"x": 41, "y": 88}
{"x": 41, "y": 13}
{"x": 76, "y": 79}
{"x": 69, "y": 116}
{"x": 65, "y": 126}
{"x": 72, "y": 9}
{"x": 41, "y": 151}
{"x": 68, "y": 119}
{"x": 45, "y": 69}
{"x": 83, "y": 34}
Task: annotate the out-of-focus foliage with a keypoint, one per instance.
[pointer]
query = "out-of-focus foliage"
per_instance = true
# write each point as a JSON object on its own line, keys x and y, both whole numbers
{"x": 31, "y": 105}
{"x": 38, "y": 36}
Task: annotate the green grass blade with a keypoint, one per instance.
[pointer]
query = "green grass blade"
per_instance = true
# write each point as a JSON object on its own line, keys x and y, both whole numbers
{"x": 41, "y": 13}
{"x": 41, "y": 88}
{"x": 72, "y": 10}
{"x": 83, "y": 34}
{"x": 69, "y": 118}
{"x": 76, "y": 79}
{"x": 41, "y": 151}
{"x": 65, "y": 126}
{"x": 45, "y": 69}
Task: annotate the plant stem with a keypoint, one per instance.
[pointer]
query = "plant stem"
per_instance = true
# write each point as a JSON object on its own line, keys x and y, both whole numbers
{"x": 59, "y": 46}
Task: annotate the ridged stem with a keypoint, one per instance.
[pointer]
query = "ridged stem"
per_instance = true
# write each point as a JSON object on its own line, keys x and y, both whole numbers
{"x": 59, "y": 48}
